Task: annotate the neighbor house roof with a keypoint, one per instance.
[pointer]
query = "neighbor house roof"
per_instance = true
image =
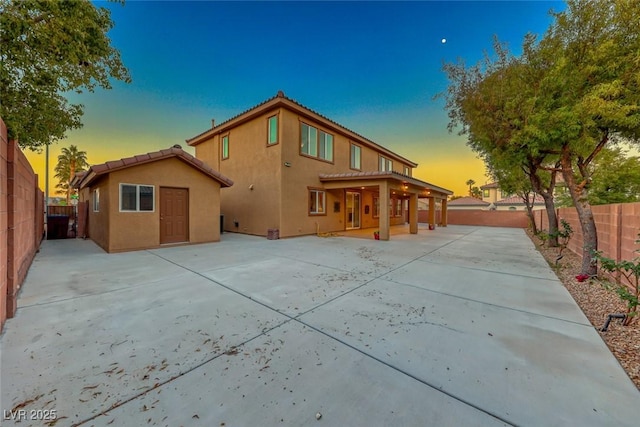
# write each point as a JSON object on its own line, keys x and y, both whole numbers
{"x": 517, "y": 200}
{"x": 490, "y": 185}
{"x": 280, "y": 100}
{"x": 467, "y": 201}
{"x": 324, "y": 177}
{"x": 85, "y": 178}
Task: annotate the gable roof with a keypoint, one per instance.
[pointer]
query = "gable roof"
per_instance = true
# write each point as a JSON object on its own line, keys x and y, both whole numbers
{"x": 490, "y": 185}
{"x": 85, "y": 178}
{"x": 280, "y": 100}
{"x": 467, "y": 201}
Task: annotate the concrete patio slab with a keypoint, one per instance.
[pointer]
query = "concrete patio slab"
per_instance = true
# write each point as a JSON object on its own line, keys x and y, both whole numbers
{"x": 291, "y": 288}
{"x": 288, "y": 376}
{"x": 496, "y": 358}
{"x": 426, "y": 329}
{"x": 542, "y": 296}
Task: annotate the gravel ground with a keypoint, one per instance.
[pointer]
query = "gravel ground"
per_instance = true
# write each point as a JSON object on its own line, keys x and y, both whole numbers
{"x": 597, "y": 303}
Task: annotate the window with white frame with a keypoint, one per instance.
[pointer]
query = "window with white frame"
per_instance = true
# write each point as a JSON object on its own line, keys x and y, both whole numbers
{"x": 272, "y": 130}
{"x": 225, "y": 147}
{"x": 137, "y": 198}
{"x": 316, "y": 143}
{"x": 317, "y": 202}
{"x": 96, "y": 200}
{"x": 386, "y": 165}
{"x": 407, "y": 170}
{"x": 356, "y": 157}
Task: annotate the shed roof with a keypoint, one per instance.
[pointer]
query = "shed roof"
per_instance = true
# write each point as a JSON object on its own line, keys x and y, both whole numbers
{"x": 84, "y": 178}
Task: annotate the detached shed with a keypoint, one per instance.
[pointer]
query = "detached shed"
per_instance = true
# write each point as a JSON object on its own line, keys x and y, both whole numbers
{"x": 150, "y": 200}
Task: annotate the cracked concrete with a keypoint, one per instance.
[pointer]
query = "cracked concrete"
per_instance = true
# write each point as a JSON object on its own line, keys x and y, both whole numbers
{"x": 457, "y": 326}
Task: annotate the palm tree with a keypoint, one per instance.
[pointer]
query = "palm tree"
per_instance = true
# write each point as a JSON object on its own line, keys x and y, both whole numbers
{"x": 470, "y": 182}
{"x": 69, "y": 162}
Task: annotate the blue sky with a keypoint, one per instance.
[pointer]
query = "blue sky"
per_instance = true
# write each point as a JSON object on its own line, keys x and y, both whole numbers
{"x": 374, "y": 67}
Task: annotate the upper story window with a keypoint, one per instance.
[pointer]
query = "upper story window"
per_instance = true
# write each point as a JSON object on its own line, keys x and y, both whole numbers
{"x": 385, "y": 165}
{"x": 137, "y": 198}
{"x": 225, "y": 147}
{"x": 485, "y": 193}
{"x": 272, "y": 130}
{"x": 96, "y": 200}
{"x": 316, "y": 143}
{"x": 407, "y": 170}
{"x": 356, "y": 157}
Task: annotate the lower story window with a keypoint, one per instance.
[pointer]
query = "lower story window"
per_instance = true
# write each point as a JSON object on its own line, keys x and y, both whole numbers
{"x": 136, "y": 198}
{"x": 317, "y": 202}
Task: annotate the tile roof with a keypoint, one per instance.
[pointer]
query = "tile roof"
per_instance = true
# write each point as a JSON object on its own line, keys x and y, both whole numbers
{"x": 490, "y": 185}
{"x": 467, "y": 201}
{"x": 517, "y": 200}
{"x": 82, "y": 179}
{"x": 281, "y": 100}
{"x": 378, "y": 174}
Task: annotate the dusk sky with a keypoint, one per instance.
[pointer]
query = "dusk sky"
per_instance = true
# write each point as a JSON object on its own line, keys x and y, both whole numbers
{"x": 373, "y": 67}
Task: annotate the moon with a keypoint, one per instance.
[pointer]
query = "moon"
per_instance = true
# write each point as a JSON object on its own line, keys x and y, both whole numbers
{"x": 444, "y": 41}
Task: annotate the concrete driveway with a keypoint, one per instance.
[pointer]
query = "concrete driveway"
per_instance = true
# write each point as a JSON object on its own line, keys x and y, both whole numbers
{"x": 460, "y": 326}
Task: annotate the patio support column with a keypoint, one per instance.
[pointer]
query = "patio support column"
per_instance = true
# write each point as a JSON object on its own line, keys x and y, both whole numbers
{"x": 413, "y": 213}
{"x": 432, "y": 211}
{"x": 443, "y": 216}
{"x": 383, "y": 191}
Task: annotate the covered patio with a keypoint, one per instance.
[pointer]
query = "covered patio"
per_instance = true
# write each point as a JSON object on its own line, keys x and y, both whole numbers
{"x": 390, "y": 186}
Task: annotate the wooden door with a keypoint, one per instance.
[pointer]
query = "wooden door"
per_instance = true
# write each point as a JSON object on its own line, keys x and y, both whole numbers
{"x": 174, "y": 215}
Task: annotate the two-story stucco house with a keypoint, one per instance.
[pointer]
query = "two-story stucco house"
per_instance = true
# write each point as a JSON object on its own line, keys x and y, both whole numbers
{"x": 301, "y": 173}
{"x": 496, "y": 198}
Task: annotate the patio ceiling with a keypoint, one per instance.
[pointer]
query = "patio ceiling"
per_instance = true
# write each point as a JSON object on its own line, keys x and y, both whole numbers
{"x": 396, "y": 181}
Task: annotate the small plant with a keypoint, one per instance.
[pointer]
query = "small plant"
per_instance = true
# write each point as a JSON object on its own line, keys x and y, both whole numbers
{"x": 629, "y": 270}
{"x": 564, "y": 235}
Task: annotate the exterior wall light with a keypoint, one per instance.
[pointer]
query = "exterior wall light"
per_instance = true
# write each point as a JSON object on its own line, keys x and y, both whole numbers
{"x": 287, "y": 164}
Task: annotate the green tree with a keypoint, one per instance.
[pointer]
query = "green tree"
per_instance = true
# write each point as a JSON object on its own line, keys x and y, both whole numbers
{"x": 69, "y": 162}
{"x": 50, "y": 48}
{"x": 592, "y": 95}
{"x": 513, "y": 179}
{"x": 615, "y": 178}
{"x": 558, "y": 105}
{"x": 470, "y": 182}
{"x": 491, "y": 103}
{"x": 476, "y": 192}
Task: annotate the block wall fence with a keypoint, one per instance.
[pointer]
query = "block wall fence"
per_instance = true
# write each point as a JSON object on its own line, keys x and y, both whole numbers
{"x": 617, "y": 225}
{"x": 21, "y": 221}
{"x": 516, "y": 219}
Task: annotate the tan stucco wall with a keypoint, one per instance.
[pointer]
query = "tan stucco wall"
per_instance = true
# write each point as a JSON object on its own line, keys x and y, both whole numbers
{"x": 279, "y": 197}
{"x": 98, "y": 229}
{"x": 255, "y": 168}
{"x": 117, "y": 231}
{"x": 303, "y": 174}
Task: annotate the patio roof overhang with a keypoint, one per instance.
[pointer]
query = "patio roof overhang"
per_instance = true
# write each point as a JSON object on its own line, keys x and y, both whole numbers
{"x": 395, "y": 180}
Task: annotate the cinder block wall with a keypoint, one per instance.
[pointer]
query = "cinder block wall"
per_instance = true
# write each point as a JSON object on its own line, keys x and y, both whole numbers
{"x": 514, "y": 219}
{"x": 4, "y": 147}
{"x": 617, "y": 225}
{"x": 21, "y": 221}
